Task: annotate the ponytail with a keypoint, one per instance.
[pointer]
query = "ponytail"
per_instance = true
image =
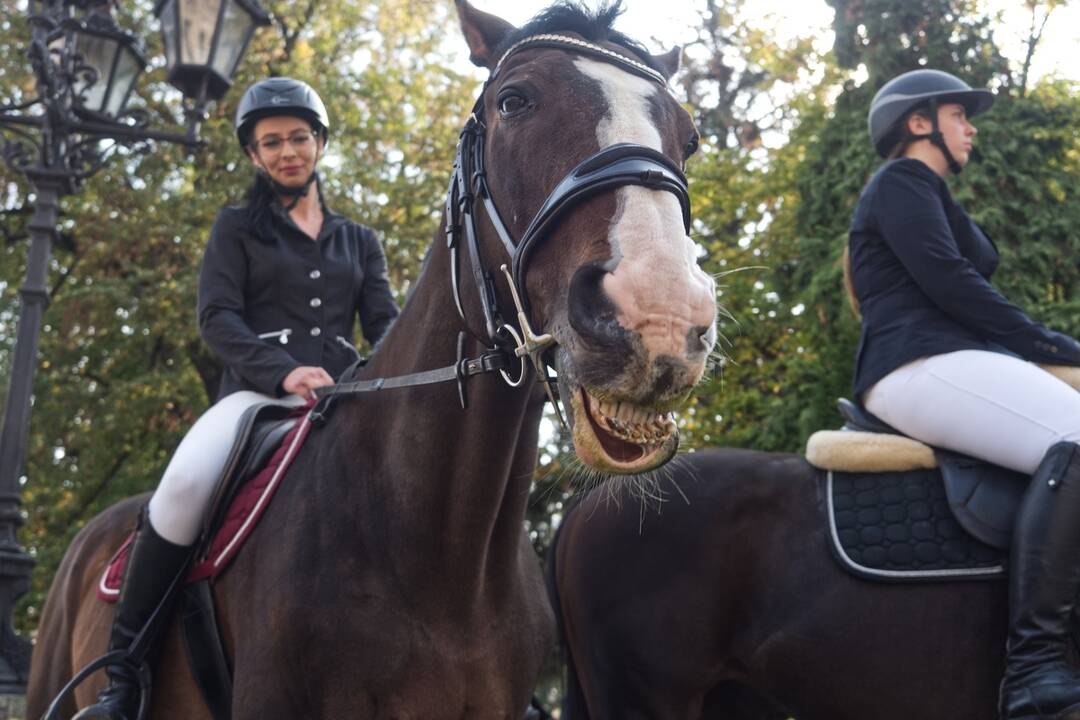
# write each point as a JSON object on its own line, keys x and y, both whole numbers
{"x": 849, "y": 286}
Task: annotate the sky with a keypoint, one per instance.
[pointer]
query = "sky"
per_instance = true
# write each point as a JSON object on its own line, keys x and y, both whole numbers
{"x": 661, "y": 24}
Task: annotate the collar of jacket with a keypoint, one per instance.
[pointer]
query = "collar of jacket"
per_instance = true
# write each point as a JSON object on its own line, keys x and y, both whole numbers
{"x": 331, "y": 220}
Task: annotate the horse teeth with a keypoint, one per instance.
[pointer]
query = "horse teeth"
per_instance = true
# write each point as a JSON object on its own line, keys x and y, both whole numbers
{"x": 630, "y": 422}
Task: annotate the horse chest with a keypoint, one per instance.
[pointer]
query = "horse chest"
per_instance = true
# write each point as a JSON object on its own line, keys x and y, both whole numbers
{"x": 394, "y": 662}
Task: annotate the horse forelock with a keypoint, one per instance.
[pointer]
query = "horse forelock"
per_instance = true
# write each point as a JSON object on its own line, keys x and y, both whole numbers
{"x": 569, "y": 17}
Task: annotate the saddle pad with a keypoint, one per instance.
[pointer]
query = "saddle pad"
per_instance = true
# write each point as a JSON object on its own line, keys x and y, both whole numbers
{"x": 243, "y": 514}
{"x": 897, "y": 526}
{"x": 856, "y": 451}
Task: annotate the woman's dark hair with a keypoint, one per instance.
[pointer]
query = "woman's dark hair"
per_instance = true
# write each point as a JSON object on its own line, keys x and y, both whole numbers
{"x": 906, "y": 137}
{"x": 261, "y": 193}
{"x": 258, "y": 197}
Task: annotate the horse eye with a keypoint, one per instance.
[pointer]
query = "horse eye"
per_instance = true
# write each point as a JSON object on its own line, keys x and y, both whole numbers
{"x": 511, "y": 103}
{"x": 691, "y": 147}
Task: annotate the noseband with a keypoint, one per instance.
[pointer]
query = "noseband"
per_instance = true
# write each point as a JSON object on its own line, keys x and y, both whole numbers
{"x": 611, "y": 167}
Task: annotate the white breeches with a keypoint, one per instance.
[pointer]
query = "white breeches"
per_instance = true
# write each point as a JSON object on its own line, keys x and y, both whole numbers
{"x": 181, "y": 499}
{"x": 987, "y": 405}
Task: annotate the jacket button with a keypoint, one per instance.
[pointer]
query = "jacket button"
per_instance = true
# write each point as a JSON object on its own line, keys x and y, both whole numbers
{"x": 315, "y": 302}
{"x": 314, "y": 274}
{"x": 316, "y": 332}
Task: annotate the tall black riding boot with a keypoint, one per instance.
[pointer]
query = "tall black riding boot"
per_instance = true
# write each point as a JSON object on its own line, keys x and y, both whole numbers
{"x": 153, "y": 563}
{"x": 1044, "y": 577}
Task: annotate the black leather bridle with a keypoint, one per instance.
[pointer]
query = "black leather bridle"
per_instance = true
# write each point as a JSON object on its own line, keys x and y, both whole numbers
{"x": 610, "y": 167}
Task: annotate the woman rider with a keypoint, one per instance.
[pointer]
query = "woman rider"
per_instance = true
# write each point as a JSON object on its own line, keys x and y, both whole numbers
{"x": 282, "y": 283}
{"x": 946, "y": 359}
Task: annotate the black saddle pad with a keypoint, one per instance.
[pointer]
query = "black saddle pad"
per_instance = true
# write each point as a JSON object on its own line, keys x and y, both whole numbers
{"x": 897, "y": 526}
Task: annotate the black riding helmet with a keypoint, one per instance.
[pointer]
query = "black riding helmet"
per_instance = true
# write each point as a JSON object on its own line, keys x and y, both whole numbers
{"x": 915, "y": 89}
{"x": 280, "y": 96}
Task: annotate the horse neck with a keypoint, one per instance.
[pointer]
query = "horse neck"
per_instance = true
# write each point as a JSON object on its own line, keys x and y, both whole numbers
{"x": 459, "y": 477}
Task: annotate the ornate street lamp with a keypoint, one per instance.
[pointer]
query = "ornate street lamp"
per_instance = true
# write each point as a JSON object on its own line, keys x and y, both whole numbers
{"x": 85, "y": 67}
{"x": 204, "y": 41}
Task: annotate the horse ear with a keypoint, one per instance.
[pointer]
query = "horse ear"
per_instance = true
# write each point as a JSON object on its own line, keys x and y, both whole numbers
{"x": 670, "y": 62}
{"x": 483, "y": 32}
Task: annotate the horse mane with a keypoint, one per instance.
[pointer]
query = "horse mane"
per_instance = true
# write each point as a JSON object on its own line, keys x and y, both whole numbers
{"x": 595, "y": 26}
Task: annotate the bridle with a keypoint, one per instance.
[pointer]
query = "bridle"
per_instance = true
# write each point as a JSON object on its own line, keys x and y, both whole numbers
{"x": 611, "y": 167}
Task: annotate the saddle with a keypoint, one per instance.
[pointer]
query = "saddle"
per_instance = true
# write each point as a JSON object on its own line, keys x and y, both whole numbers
{"x": 268, "y": 436}
{"x": 900, "y": 510}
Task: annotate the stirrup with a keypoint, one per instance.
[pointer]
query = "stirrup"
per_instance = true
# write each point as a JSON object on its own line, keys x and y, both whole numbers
{"x": 115, "y": 658}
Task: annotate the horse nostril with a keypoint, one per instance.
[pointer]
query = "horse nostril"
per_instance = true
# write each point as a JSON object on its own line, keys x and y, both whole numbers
{"x": 702, "y": 338}
{"x": 591, "y": 312}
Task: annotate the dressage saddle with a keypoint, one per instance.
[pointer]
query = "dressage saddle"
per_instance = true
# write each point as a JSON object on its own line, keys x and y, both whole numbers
{"x": 984, "y": 497}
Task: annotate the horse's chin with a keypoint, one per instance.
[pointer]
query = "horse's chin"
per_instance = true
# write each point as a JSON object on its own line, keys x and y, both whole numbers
{"x": 619, "y": 437}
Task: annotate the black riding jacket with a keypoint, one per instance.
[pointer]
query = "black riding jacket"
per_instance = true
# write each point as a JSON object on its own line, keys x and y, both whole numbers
{"x": 921, "y": 270}
{"x": 272, "y": 299}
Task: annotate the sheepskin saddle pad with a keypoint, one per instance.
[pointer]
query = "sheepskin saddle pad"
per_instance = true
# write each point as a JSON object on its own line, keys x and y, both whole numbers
{"x": 900, "y": 510}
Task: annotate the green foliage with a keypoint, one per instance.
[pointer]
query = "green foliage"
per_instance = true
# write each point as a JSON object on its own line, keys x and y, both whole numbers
{"x": 889, "y": 37}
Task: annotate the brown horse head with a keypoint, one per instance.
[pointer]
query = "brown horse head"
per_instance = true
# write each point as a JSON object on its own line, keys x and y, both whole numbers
{"x": 614, "y": 271}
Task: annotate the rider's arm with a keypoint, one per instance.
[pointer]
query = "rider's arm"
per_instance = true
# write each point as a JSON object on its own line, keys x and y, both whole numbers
{"x": 221, "y": 310}
{"x": 912, "y": 220}
{"x": 377, "y": 306}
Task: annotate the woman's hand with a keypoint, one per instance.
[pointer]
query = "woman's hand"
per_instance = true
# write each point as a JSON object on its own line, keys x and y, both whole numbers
{"x": 303, "y": 380}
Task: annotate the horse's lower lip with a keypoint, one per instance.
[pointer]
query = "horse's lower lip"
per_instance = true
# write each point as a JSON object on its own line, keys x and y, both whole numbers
{"x": 619, "y": 437}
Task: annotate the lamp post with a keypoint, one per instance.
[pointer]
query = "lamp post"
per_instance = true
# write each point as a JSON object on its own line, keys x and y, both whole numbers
{"x": 85, "y": 67}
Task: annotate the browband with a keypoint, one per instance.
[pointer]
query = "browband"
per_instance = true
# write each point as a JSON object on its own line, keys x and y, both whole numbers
{"x": 566, "y": 42}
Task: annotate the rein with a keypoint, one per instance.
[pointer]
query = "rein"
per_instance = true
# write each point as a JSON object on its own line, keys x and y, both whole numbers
{"x": 610, "y": 167}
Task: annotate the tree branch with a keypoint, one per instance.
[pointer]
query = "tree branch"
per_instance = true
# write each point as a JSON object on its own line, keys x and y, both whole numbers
{"x": 1034, "y": 36}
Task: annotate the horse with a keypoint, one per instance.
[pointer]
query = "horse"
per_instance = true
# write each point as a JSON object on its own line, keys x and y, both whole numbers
{"x": 724, "y": 601}
{"x": 391, "y": 576}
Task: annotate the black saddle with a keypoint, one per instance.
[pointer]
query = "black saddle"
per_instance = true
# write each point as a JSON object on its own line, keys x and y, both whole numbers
{"x": 983, "y": 497}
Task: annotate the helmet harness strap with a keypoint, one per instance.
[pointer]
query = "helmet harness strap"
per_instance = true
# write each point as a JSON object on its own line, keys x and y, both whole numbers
{"x": 296, "y": 193}
{"x": 938, "y": 140}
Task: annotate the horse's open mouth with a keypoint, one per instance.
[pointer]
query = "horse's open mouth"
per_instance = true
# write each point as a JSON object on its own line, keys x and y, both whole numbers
{"x": 621, "y": 437}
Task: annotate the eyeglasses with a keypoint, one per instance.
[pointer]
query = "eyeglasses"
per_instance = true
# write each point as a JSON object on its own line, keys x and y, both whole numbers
{"x": 273, "y": 144}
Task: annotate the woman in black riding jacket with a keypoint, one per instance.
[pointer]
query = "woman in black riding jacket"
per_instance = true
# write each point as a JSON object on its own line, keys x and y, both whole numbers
{"x": 283, "y": 281}
{"x": 946, "y": 359}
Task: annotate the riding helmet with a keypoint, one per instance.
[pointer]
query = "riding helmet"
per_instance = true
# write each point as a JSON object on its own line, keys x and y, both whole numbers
{"x": 907, "y": 92}
{"x": 280, "y": 96}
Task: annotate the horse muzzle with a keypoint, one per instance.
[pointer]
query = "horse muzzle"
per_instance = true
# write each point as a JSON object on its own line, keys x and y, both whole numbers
{"x": 621, "y": 406}
{"x": 619, "y": 436}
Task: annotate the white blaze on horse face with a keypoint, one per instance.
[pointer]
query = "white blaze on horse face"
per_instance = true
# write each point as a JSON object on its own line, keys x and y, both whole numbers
{"x": 654, "y": 281}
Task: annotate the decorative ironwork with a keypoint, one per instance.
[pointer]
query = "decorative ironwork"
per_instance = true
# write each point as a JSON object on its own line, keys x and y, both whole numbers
{"x": 84, "y": 66}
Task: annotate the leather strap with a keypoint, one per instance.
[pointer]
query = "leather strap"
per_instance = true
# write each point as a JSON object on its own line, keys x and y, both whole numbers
{"x": 486, "y": 363}
{"x": 205, "y": 653}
